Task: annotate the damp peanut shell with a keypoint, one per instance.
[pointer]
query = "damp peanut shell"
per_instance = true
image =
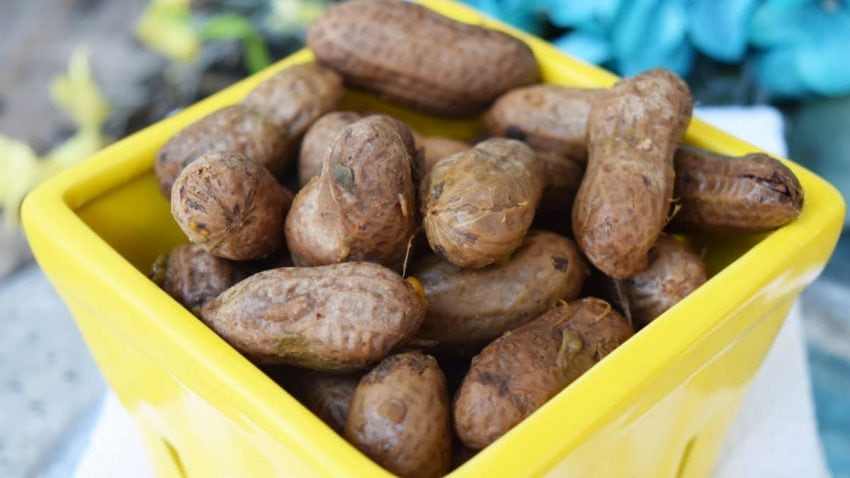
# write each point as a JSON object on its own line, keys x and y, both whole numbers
{"x": 417, "y": 57}
{"x": 468, "y": 308}
{"x": 674, "y": 271}
{"x": 230, "y": 205}
{"x": 722, "y": 194}
{"x": 400, "y": 416}
{"x": 520, "y": 371}
{"x": 478, "y": 204}
{"x": 339, "y": 317}
{"x": 362, "y": 205}
{"x": 626, "y": 192}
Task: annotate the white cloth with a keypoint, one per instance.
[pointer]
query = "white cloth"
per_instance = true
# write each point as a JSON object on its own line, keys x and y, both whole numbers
{"x": 774, "y": 435}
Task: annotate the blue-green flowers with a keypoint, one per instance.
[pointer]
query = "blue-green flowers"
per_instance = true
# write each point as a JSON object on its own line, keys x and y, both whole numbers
{"x": 798, "y": 47}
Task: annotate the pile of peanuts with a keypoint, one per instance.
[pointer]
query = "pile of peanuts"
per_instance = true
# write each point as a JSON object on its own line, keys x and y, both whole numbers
{"x": 545, "y": 245}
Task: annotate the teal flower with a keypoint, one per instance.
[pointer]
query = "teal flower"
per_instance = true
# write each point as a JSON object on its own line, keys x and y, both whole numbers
{"x": 525, "y": 15}
{"x": 719, "y": 28}
{"x": 800, "y": 45}
{"x": 633, "y": 36}
{"x": 803, "y": 46}
{"x": 652, "y": 33}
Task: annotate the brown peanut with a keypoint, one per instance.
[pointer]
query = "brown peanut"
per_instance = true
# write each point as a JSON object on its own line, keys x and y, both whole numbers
{"x": 333, "y": 318}
{"x": 478, "y": 204}
{"x": 399, "y": 416}
{"x": 550, "y": 118}
{"x": 362, "y": 206}
{"x": 673, "y": 273}
{"x": 231, "y": 206}
{"x": 297, "y": 96}
{"x": 722, "y": 194}
{"x": 517, "y": 373}
{"x": 420, "y": 58}
{"x": 468, "y": 308}
{"x": 625, "y": 195}
{"x": 193, "y": 276}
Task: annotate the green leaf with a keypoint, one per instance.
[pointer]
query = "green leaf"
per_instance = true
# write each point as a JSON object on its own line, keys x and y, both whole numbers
{"x": 227, "y": 26}
{"x": 256, "y": 53}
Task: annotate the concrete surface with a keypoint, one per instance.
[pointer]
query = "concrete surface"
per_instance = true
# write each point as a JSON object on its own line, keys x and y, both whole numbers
{"x": 36, "y": 40}
{"x": 14, "y": 250}
{"x": 47, "y": 377}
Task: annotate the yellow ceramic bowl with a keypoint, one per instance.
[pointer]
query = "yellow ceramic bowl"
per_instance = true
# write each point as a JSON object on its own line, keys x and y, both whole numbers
{"x": 658, "y": 406}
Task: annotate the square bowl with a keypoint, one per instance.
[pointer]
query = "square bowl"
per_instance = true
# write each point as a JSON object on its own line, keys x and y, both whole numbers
{"x": 659, "y": 405}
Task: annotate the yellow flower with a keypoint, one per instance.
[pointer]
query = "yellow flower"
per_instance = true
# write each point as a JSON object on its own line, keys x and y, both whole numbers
{"x": 77, "y": 93}
{"x": 18, "y": 166}
{"x": 21, "y": 169}
{"x": 166, "y": 28}
{"x": 294, "y": 14}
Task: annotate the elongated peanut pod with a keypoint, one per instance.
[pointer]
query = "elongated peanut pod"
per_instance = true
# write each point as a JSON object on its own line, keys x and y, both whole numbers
{"x": 717, "y": 193}
{"x": 420, "y": 58}
{"x": 332, "y": 318}
{"x": 517, "y": 373}
{"x": 471, "y": 307}
{"x": 625, "y": 195}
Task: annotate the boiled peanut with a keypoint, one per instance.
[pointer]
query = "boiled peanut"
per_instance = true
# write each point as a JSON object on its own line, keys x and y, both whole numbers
{"x": 231, "y": 206}
{"x": 362, "y": 206}
{"x": 297, "y": 96}
{"x": 420, "y": 58}
{"x": 478, "y": 204}
{"x": 472, "y": 307}
{"x": 625, "y": 195}
{"x": 674, "y": 272}
{"x": 517, "y": 373}
{"x": 399, "y": 416}
{"x": 333, "y": 318}
{"x": 717, "y": 193}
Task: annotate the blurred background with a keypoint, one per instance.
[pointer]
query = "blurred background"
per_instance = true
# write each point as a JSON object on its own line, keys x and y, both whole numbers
{"x": 80, "y": 74}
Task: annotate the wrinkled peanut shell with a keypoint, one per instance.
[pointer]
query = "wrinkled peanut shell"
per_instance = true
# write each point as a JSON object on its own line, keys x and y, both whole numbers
{"x": 231, "y": 206}
{"x": 399, "y": 416}
{"x": 339, "y": 317}
{"x": 419, "y": 58}
{"x": 517, "y": 373}
{"x": 625, "y": 196}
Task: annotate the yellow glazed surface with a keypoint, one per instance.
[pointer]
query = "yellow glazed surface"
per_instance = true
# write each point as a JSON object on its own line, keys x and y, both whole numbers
{"x": 659, "y": 406}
